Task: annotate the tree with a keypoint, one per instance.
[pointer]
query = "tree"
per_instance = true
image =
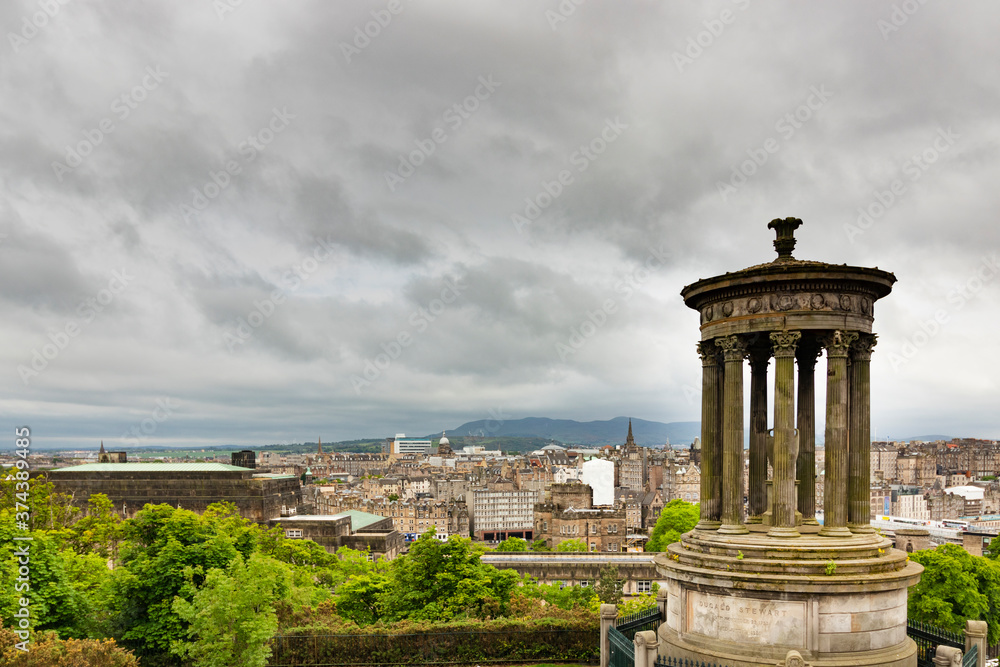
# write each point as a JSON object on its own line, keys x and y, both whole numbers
{"x": 992, "y": 551}
{"x": 393, "y": 497}
{"x": 956, "y": 586}
{"x": 572, "y": 545}
{"x": 540, "y": 545}
{"x": 513, "y": 544}
{"x": 434, "y": 581}
{"x": 609, "y": 587}
{"x": 158, "y": 546}
{"x": 100, "y": 530}
{"x": 232, "y": 616}
{"x": 676, "y": 518}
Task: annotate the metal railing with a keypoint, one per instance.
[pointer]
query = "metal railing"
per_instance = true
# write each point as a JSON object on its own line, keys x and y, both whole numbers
{"x": 928, "y": 637}
{"x": 622, "y": 650}
{"x": 643, "y": 620}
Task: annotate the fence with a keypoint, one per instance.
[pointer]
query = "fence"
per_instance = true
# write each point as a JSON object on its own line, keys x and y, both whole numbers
{"x": 621, "y": 650}
{"x": 928, "y": 637}
{"x": 629, "y": 641}
{"x": 633, "y": 623}
{"x": 669, "y": 661}
{"x": 436, "y": 648}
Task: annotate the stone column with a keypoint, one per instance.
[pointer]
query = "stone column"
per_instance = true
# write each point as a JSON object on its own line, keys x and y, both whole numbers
{"x": 975, "y": 635}
{"x": 711, "y": 438}
{"x": 733, "y": 351}
{"x": 805, "y": 466}
{"x": 835, "y": 491}
{"x": 786, "y": 440}
{"x": 757, "y": 495}
{"x": 859, "y": 475}
{"x": 646, "y": 647}
{"x": 608, "y": 614}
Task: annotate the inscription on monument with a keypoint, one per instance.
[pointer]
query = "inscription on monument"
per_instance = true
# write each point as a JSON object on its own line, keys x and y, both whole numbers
{"x": 747, "y": 619}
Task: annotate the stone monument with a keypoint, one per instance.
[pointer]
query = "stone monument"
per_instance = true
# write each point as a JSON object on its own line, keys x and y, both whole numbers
{"x": 751, "y": 586}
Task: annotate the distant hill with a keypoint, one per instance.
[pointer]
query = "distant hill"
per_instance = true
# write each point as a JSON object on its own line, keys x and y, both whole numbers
{"x": 922, "y": 438}
{"x": 595, "y": 433}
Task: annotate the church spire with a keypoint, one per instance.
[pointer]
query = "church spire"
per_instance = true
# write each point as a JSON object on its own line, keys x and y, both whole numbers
{"x": 319, "y": 445}
{"x": 629, "y": 441}
{"x": 102, "y": 447}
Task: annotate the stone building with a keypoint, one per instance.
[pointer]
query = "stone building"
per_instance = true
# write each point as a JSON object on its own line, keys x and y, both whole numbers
{"x": 570, "y": 514}
{"x": 687, "y": 485}
{"x": 192, "y": 486}
{"x": 633, "y": 463}
{"x": 883, "y": 460}
{"x": 411, "y": 518}
{"x": 352, "y": 529}
{"x": 111, "y": 457}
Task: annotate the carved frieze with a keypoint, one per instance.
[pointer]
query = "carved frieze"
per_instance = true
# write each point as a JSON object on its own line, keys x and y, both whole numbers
{"x": 786, "y": 302}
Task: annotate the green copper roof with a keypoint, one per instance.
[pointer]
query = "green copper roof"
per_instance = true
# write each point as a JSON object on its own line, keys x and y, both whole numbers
{"x": 360, "y": 520}
{"x": 153, "y": 467}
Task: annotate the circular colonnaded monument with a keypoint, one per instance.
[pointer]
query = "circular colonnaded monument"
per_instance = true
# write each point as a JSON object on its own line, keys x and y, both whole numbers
{"x": 771, "y": 585}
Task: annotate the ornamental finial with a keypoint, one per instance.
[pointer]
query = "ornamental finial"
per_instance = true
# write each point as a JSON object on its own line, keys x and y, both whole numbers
{"x": 785, "y": 241}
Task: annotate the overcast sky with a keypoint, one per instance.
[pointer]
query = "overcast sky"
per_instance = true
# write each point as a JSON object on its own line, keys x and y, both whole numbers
{"x": 214, "y": 219}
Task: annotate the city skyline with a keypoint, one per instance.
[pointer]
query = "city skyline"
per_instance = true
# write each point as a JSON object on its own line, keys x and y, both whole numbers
{"x": 249, "y": 224}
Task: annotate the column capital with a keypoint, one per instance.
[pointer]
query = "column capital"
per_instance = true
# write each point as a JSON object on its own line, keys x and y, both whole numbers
{"x": 709, "y": 352}
{"x": 734, "y": 348}
{"x": 838, "y": 343}
{"x": 861, "y": 349}
{"x": 784, "y": 343}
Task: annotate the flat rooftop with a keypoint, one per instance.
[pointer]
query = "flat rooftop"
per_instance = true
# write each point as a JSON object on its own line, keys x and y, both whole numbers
{"x": 153, "y": 467}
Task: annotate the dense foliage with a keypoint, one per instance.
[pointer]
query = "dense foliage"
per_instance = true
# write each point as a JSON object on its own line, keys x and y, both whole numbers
{"x": 676, "y": 518}
{"x": 176, "y": 587}
{"x": 956, "y": 586}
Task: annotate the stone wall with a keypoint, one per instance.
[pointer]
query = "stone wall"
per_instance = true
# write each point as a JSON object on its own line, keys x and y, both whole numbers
{"x": 257, "y": 499}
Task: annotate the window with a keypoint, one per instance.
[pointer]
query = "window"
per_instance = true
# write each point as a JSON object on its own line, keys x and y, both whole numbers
{"x": 584, "y": 583}
{"x": 593, "y": 546}
{"x": 293, "y": 534}
{"x": 643, "y": 587}
{"x": 593, "y": 529}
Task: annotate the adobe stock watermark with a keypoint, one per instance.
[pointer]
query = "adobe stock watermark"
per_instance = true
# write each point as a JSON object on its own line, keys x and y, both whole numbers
{"x": 898, "y": 17}
{"x": 136, "y": 433}
{"x": 595, "y": 319}
{"x": 420, "y": 320}
{"x": 580, "y": 159}
{"x": 363, "y": 35}
{"x": 914, "y": 168}
{"x": 292, "y": 280}
{"x": 59, "y": 340}
{"x": 698, "y": 43}
{"x": 454, "y": 117}
{"x": 786, "y": 126}
{"x": 218, "y": 181}
{"x": 32, "y": 23}
{"x": 958, "y": 297}
{"x": 561, "y": 14}
{"x": 122, "y": 107}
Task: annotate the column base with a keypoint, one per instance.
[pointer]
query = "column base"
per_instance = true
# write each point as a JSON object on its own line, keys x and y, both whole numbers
{"x": 708, "y": 524}
{"x": 860, "y": 528}
{"x": 829, "y": 531}
{"x": 811, "y": 521}
{"x": 735, "y": 529}
{"x": 755, "y": 519}
{"x": 783, "y": 532}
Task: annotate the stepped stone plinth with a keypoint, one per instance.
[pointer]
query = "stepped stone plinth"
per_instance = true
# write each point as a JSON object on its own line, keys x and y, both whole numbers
{"x": 753, "y": 584}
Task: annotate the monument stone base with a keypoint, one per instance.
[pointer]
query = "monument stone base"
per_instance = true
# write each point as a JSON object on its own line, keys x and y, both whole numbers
{"x": 747, "y": 600}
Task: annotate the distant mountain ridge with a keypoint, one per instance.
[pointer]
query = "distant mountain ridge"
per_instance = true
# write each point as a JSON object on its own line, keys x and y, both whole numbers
{"x": 593, "y": 433}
